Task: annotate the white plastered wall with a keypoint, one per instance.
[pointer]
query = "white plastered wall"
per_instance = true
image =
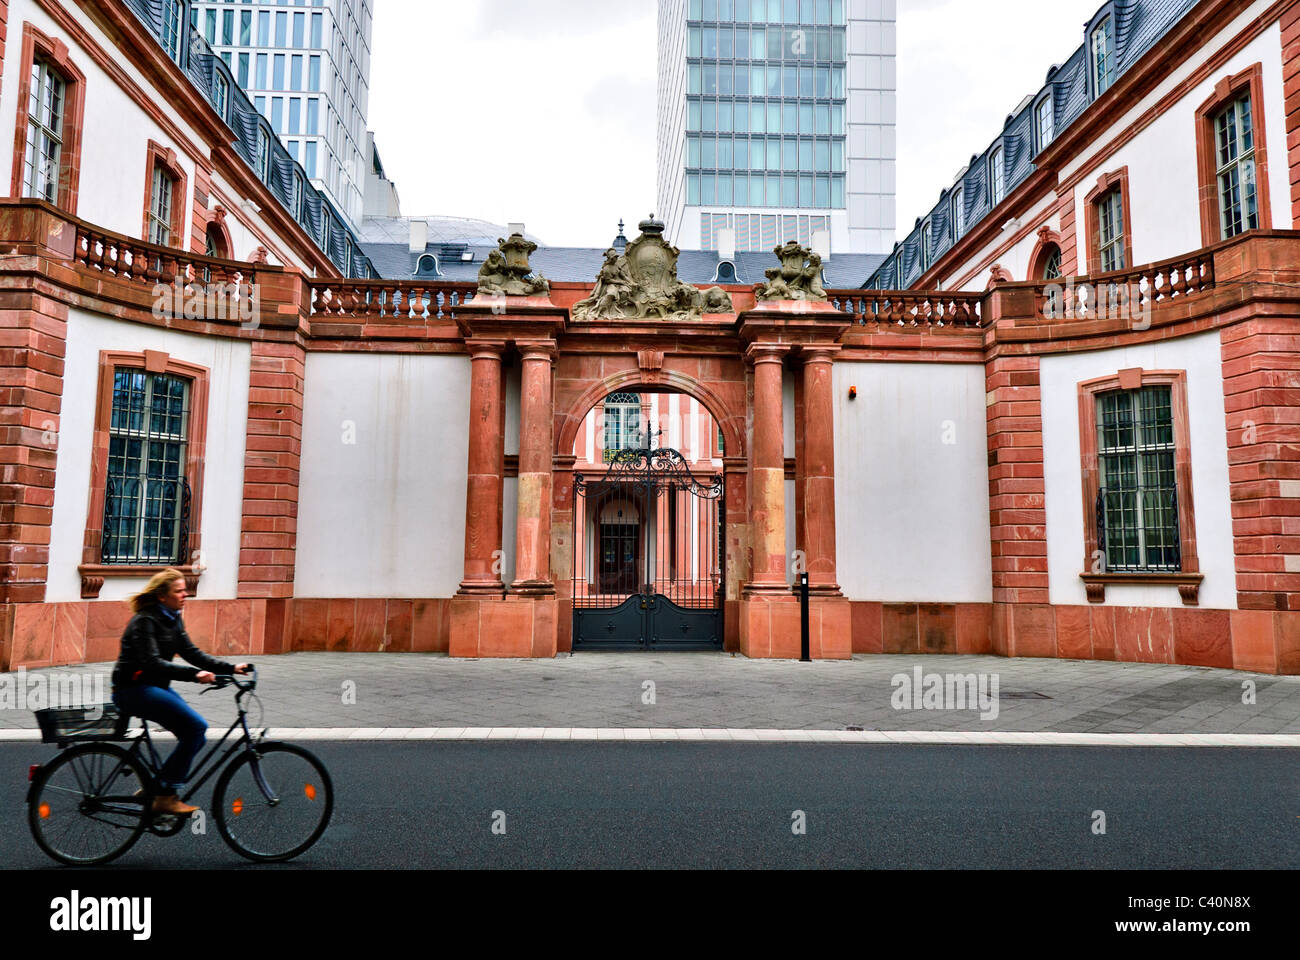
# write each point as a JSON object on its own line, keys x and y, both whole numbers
{"x": 911, "y": 483}
{"x": 223, "y": 478}
{"x": 384, "y": 516}
{"x": 1060, "y": 376}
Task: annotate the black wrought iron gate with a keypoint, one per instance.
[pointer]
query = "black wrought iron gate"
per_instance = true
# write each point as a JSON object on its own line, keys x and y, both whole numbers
{"x": 648, "y": 555}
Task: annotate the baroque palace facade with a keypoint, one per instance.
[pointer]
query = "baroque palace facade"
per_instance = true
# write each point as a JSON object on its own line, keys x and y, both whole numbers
{"x": 1061, "y": 419}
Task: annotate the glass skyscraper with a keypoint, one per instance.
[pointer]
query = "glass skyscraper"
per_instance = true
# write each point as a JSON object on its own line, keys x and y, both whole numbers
{"x": 306, "y": 67}
{"x": 776, "y": 120}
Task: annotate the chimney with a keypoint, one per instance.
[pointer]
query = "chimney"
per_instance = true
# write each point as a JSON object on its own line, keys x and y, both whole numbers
{"x": 419, "y": 235}
{"x": 727, "y": 243}
{"x": 821, "y": 244}
{"x": 514, "y": 228}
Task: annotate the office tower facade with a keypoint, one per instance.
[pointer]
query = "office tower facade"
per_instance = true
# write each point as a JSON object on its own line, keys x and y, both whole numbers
{"x": 776, "y": 122}
{"x": 306, "y": 68}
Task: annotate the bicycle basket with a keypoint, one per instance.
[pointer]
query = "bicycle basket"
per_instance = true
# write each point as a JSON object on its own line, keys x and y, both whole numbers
{"x": 99, "y": 721}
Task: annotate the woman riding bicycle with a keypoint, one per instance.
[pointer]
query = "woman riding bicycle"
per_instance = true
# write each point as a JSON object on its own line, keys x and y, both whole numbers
{"x": 144, "y": 672}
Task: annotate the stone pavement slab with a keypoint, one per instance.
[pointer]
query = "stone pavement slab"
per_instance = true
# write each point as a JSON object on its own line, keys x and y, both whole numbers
{"x": 591, "y": 693}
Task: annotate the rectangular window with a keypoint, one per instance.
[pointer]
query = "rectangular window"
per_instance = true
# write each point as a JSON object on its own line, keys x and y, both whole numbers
{"x": 261, "y": 71}
{"x": 295, "y": 115}
{"x": 210, "y": 27}
{"x": 958, "y": 212}
{"x": 282, "y": 29}
{"x": 317, "y": 22}
{"x": 1137, "y": 503}
{"x": 160, "y": 207}
{"x": 227, "y": 27}
{"x": 277, "y": 114}
{"x": 246, "y": 28}
{"x": 263, "y": 154}
{"x": 44, "y": 134}
{"x": 277, "y": 72}
{"x": 313, "y": 74}
{"x": 313, "y": 117}
{"x": 220, "y": 94}
{"x": 299, "y": 30}
{"x": 147, "y": 499}
{"x": 1235, "y": 159}
{"x": 264, "y": 28}
{"x": 310, "y": 163}
{"x": 1110, "y": 231}
{"x": 295, "y": 72}
{"x": 242, "y": 76}
{"x": 997, "y": 175}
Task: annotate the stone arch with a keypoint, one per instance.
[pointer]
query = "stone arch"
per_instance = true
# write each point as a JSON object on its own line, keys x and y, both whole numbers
{"x": 1048, "y": 241}
{"x": 633, "y": 381}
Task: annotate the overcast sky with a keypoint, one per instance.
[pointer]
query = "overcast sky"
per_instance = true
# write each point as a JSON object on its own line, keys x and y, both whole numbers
{"x": 544, "y": 111}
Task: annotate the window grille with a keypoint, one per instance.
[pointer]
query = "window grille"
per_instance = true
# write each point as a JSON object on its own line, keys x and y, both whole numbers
{"x": 1235, "y": 159}
{"x": 1137, "y": 503}
{"x": 147, "y": 500}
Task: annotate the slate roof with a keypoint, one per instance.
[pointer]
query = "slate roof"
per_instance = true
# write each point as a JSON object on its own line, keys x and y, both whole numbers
{"x": 200, "y": 66}
{"x": 1139, "y": 26}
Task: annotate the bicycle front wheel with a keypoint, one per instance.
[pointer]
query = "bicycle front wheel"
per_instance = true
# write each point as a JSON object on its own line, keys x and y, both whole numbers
{"x": 88, "y": 806}
{"x": 273, "y": 802}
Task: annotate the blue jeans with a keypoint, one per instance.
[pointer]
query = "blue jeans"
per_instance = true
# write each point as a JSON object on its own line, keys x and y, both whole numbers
{"x": 167, "y": 708}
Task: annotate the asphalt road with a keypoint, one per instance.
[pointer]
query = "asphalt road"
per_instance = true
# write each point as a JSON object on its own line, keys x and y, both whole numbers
{"x": 661, "y": 805}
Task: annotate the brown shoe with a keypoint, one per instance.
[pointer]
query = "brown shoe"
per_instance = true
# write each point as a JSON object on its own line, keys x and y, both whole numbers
{"x": 172, "y": 806}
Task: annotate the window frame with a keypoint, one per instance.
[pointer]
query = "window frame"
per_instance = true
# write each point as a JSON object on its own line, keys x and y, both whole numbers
{"x": 627, "y": 432}
{"x": 160, "y": 160}
{"x": 177, "y": 56}
{"x": 997, "y": 175}
{"x": 1189, "y": 578}
{"x": 1107, "y": 184}
{"x": 54, "y": 52}
{"x": 93, "y": 571}
{"x": 1227, "y": 91}
{"x": 957, "y": 211}
{"x": 1046, "y": 104}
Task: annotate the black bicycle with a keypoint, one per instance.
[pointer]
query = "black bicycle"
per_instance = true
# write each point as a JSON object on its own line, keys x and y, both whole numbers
{"x": 92, "y": 803}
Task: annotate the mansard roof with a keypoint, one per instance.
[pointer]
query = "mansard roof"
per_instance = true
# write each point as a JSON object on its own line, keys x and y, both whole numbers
{"x": 1138, "y": 26}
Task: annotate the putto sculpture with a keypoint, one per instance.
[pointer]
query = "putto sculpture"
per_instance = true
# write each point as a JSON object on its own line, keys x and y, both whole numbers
{"x": 507, "y": 273}
{"x": 798, "y": 278}
{"x": 642, "y": 284}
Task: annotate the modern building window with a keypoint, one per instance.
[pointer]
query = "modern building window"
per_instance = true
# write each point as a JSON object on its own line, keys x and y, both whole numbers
{"x": 147, "y": 496}
{"x": 44, "y": 133}
{"x": 997, "y": 176}
{"x": 622, "y": 423}
{"x": 1102, "y": 47}
{"x": 1046, "y": 123}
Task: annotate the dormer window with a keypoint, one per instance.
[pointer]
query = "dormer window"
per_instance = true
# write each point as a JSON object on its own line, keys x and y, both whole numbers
{"x": 171, "y": 28}
{"x": 726, "y": 272}
{"x": 1102, "y": 47}
{"x": 427, "y": 266}
{"x": 997, "y": 176}
{"x": 1045, "y": 116}
{"x": 926, "y": 238}
{"x": 958, "y": 212}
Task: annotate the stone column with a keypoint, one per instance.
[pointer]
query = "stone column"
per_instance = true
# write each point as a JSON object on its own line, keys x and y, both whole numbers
{"x": 767, "y": 480}
{"x": 536, "y": 430}
{"x": 483, "y": 500}
{"x": 818, "y": 468}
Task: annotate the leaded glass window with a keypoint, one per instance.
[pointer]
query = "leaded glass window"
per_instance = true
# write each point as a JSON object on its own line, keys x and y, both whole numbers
{"x": 146, "y": 503}
{"x": 1234, "y": 136}
{"x": 1137, "y": 503}
{"x": 44, "y": 134}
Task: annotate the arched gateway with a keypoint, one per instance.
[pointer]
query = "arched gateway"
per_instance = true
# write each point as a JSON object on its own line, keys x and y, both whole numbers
{"x": 635, "y": 545}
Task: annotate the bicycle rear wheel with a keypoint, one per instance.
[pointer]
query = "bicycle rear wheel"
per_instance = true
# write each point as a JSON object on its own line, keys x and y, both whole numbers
{"x": 273, "y": 803}
{"x": 89, "y": 805}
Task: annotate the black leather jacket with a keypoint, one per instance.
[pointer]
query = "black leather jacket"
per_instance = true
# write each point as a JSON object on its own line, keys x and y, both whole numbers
{"x": 150, "y": 642}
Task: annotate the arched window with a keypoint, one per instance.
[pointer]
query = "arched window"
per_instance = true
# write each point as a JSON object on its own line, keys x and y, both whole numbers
{"x": 217, "y": 245}
{"x": 622, "y": 423}
{"x": 427, "y": 266}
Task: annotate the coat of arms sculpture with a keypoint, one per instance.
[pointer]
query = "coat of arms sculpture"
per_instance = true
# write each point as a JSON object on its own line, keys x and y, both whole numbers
{"x": 507, "y": 273}
{"x": 642, "y": 284}
{"x": 798, "y": 278}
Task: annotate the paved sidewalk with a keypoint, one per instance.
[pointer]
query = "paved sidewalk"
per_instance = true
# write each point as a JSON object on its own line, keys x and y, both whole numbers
{"x": 718, "y": 691}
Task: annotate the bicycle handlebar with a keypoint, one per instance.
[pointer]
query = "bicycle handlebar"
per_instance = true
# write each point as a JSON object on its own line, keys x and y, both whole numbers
{"x": 230, "y": 679}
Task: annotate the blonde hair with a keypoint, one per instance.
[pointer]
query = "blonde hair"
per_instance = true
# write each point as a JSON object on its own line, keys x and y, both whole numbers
{"x": 159, "y": 584}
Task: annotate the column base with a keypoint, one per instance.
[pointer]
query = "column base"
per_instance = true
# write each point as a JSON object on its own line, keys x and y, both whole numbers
{"x": 770, "y": 625}
{"x": 485, "y": 590}
{"x": 512, "y": 626}
{"x": 532, "y": 588}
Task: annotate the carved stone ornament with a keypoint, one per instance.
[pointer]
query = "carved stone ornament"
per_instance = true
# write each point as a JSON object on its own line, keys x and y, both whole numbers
{"x": 506, "y": 272}
{"x": 642, "y": 284}
{"x": 798, "y": 278}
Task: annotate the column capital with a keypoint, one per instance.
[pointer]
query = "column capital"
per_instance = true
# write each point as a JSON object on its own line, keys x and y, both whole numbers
{"x": 483, "y": 348}
{"x": 819, "y": 353}
{"x": 537, "y": 350}
{"x": 758, "y": 353}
